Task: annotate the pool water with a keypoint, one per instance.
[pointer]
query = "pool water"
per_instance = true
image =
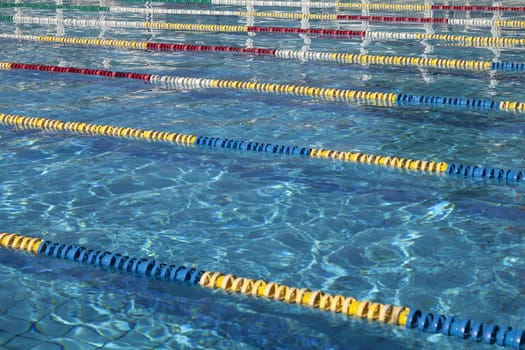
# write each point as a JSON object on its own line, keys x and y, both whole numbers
{"x": 449, "y": 245}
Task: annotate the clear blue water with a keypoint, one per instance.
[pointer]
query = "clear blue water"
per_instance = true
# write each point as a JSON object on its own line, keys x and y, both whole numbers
{"x": 451, "y": 246}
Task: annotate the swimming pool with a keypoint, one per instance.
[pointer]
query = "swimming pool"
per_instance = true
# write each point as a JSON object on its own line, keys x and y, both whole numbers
{"x": 388, "y": 232}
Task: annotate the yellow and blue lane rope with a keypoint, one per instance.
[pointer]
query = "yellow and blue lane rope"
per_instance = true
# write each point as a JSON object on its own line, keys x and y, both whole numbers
{"x": 371, "y": 97}
{"x": 402, "y": 316}
{"x": 345, "y": 58}
{"x": 432, "y": 167}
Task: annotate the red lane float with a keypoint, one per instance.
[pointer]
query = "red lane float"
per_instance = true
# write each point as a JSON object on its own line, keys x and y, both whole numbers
{"x": 392, "y": 19}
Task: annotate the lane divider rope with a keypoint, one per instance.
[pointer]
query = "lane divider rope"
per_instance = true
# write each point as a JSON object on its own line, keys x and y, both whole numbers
{"x": 244, "y": 3}
{"x": 478, "y": 41}
{"x": 373, "y": 97}
{"x": 348, "y": 5}
{"x": 345, "y": 58}
{"x": 422, "y": 8}
{"x": 372, "y": 311}
{"x": 431, "y": 167}
{"x": 478, "y": 22}
{"x": 191, "y": 27}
